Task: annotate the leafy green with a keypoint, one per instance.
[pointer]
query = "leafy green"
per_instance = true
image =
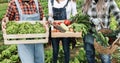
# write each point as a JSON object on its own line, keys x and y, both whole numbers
{"x": 12, "y": 27}
{"x": 24, "y": 28}
{"x": 80, "y": 27}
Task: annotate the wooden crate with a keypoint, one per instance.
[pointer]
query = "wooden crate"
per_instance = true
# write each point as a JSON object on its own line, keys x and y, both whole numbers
{"x": 65, "y": 34}
{"x": 19, "y": 37}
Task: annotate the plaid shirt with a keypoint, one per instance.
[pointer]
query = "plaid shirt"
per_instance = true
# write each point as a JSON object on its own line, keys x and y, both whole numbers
{"x": 29, "y": 8}
{"x": 111, "y": 8}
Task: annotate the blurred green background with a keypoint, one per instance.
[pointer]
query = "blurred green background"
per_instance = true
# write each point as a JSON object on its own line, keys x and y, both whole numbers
{"x": 8, "y": 53}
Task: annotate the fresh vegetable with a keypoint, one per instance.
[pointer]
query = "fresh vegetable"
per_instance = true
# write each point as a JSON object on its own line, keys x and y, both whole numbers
{"x": 6, "y": 53}
{"x": 14, "y": 58}
{"x": 80, "y": 18}
{"x": 113, "y": 24}
{"x": 12, "y": 27}
{"x": 7, "y": 61}
{"x": 59, "y": 28}
{"x": 9, "y": 54}
{"x": 24, "y": 28}
{"x": 79, "y": 28}
{"x": 67, "y": 22}
{"x": 64, "y": 26}
{"x": 59, "y": 23}
{"x": 71, "y": 29}
{"x": 101, "y": 39}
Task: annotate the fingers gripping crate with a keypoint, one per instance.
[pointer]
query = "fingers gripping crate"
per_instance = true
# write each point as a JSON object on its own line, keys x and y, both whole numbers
{"x": 26, "y": 38}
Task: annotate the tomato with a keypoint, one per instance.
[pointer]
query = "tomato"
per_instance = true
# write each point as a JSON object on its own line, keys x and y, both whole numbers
{"x": 54, "y": 23}
{"x": 67, "y": 22}
{"x": 59, "y": 23}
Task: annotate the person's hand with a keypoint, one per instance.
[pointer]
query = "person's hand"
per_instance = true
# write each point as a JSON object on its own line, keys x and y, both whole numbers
{"x": 118, "y": 36}
{"x": 96, "y": 21}
{"x": 4, "y": 21}
{"x": 50, "y": 19}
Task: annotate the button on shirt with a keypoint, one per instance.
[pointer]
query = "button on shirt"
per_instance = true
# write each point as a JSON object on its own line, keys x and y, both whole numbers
{"x": 27, "y": 8}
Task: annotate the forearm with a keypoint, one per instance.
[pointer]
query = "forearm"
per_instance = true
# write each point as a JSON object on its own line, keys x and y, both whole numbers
{"x": 41, "y": 11}
{"x": 50, "y": 8}
{"x": 10, "y": 11}
{"x": 74, "y": 10}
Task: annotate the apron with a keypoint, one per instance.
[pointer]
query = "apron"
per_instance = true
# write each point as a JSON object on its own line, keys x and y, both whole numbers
{"x": 59, "y": 13}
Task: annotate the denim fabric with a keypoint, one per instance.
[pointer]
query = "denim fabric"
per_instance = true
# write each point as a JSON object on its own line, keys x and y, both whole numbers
{"x": 66, "y": 48}
{"x": 90, "y": 51}
{"x": 105, "y": 58}
{"x": 30, "y": 53}
{"x": 59, "y": 13}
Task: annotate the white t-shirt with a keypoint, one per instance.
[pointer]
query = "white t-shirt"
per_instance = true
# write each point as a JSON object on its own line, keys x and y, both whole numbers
{"x": 70, "y": 8}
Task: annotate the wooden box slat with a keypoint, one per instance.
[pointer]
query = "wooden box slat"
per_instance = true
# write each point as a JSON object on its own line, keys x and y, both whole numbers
{"x": 25, "y": 41}
{"x": 26, "y": 35}
{"x": 66, "y": 34}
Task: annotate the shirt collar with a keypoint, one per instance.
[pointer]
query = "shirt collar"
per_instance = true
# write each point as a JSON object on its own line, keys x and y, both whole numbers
{"x": 93, "y": 1}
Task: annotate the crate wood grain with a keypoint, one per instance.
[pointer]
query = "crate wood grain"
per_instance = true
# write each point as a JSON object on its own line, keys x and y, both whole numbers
{"x": 26, "y": 38}
{"x": 66, "y": 34}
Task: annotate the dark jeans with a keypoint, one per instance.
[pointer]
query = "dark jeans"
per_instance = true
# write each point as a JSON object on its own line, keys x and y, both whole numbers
{"x": 66, "y": 48}
{"x": 90, "y": 51}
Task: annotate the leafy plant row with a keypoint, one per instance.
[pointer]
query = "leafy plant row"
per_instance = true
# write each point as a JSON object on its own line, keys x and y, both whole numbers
{"x": 8, "y": 54}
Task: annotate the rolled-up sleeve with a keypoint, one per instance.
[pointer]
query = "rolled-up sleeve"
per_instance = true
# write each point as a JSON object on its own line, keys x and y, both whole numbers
{"x": 50, "y": 8}
{"x": 41, "y": 11}
{"x": 74, "y": 10}
{"x": 10, "y": 13}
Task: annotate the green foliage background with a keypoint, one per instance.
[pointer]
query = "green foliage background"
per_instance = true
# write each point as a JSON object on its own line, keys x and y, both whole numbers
{"x": 79, "y": 58}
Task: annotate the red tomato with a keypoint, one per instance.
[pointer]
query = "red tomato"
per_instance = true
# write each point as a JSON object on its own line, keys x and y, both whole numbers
{"x": 67, "y": 22}
{"x": 54, "y": 23}
{"x": 59, "y": 23}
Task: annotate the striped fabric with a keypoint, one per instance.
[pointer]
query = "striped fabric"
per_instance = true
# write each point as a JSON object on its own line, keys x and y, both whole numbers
{"x": 112, "y": 8}
{"x": 27, "y": 8}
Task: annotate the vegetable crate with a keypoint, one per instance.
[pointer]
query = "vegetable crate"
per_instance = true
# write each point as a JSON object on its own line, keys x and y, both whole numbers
{"x": 26, "y": 38}
{"x": 107, "y": 50}
{"x": 62, "y": 29}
